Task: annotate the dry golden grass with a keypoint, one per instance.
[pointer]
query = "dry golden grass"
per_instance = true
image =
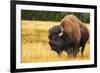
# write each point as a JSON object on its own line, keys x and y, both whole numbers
{"x": 35, "y": 47}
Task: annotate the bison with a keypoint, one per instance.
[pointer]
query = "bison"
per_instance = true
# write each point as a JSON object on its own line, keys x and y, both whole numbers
{"x": 69, "y": 36}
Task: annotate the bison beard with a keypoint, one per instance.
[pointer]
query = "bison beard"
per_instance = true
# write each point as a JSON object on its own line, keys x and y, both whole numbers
{"x": 75, "y": 35}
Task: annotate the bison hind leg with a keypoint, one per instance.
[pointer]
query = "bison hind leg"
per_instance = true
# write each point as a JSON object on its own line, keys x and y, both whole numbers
{"x": 82, "y": 50}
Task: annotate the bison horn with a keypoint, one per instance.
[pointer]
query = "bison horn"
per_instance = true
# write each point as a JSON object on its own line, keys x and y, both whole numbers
{"x": 61, "y": 33}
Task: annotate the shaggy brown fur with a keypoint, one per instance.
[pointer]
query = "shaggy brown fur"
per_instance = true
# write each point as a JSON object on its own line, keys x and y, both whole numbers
{"x": 84, "y": 37}
{"x": 71, "y": 27}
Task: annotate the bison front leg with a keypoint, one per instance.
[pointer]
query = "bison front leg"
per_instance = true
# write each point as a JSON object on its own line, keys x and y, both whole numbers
{"x": 69, "y": 52}
{"x": 75, "y": 52}
{"x": 72, "y": 52}
{"x": 82, "y": 50}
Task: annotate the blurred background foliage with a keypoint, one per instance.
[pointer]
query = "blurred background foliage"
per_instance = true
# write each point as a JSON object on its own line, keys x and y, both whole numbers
{"x": 52, "y": 15}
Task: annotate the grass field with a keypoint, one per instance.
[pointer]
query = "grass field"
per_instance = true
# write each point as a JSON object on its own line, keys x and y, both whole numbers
{"x": 35, "y": 47}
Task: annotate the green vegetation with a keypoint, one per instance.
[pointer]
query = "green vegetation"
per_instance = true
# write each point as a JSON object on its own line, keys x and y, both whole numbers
{"x": 52, "y": 16}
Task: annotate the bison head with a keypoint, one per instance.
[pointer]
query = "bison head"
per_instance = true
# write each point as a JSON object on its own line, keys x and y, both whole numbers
{"x": 55, "y": 30}
{"x": 57, "y": 39}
